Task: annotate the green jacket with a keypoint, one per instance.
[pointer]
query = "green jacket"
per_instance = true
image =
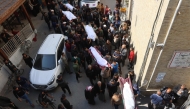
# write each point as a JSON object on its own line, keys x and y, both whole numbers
{"x": 76, "y": 67}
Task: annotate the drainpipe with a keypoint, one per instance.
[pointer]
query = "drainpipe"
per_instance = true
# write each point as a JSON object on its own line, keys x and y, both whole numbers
{"x": 167, "y": 34}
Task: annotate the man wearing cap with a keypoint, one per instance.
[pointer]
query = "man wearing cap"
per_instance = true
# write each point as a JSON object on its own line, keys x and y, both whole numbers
{"x": 63, "y": 84}
{"x": 89, "y": 95}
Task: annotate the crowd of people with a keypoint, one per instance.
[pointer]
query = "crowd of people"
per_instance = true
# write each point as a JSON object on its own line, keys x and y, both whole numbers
{"x": 168, "y": 98}
{"x": 112, "y": 42}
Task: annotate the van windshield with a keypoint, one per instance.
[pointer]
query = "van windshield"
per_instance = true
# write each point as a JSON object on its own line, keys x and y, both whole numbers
{"x": 45, "y": 62}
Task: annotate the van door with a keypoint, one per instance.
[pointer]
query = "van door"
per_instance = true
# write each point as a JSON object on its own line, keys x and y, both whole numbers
{"x": 60, "y": 64}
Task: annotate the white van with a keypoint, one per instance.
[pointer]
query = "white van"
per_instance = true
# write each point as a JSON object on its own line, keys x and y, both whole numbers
{"x": 47, "y": 65}
{"x": 91, "y": 3}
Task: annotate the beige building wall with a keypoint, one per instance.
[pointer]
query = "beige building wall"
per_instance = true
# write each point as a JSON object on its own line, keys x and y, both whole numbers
{"x": 178, "y": 40}
{"x": 143, "y": 17}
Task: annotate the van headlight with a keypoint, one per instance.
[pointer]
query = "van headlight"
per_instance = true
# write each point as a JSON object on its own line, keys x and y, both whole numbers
{"x": 52, "y": 80}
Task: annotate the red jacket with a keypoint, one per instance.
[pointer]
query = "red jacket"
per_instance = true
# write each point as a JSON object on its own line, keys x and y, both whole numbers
{"x": 68, "y": 47}
{"x": 131, "y": 55}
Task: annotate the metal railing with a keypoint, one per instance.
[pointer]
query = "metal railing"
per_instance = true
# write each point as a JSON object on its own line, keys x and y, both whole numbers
{"x": 14, "y": 43}
{"x": 186, "y": 104}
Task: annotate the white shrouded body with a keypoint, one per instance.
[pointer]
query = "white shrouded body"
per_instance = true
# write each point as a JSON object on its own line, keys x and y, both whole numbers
{"x": 128, "y": 97}
{"x": 90, "y": 32}
{"x": 69, "y": 6}
{"x": 69, "y": 15}
{"x": 101, "y": 61}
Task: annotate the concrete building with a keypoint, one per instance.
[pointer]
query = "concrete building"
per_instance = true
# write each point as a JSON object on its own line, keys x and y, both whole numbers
{"x": 10, "y": 12}
{"x": 160, "y": 37}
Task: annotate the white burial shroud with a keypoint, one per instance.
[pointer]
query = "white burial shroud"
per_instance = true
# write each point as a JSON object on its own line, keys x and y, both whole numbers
{"x": 90, "y": 32}
{"x": 69, "y": 6}
{"x": 128, "y": 97}
{"x": 101, "y": 61}
{"x": 69, "y": 15}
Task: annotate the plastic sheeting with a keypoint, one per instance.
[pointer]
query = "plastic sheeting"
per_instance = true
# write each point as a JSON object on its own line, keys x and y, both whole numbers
{"x": 69, "y": 6}
{"x": 101, "y": 61}
{"x": 90, "y": 32}
{"x": 69, "y": 15}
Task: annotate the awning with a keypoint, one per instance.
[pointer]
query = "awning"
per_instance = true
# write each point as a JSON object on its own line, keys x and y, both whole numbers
{"x": 8, "y": 7}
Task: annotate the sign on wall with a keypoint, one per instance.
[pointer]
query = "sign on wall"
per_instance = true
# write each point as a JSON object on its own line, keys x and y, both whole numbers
{"x": 160, "y": 76}
{"x": 180, "y": 59}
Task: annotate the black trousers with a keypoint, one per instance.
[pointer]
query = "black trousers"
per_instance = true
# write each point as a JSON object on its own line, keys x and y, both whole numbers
{"x": 123, "y": 60}
{"x": 111, "y": 93}
{"x": 91, "y": 101}
{"x": 77, "y": 76}
{"x": 91, "y": 81}
{"x": 66, "y": 87}
{"x": 131, "y": 65}
{"x": 48, "y": 23}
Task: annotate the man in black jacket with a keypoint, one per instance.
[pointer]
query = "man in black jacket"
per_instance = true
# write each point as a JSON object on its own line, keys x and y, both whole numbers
{"x": 181, "y": 94}
{"x": 99, "y": 88}
{"x": 89, "y": 95}
{"x": 65, "y": 102}
{"x": 10, "y": 65}
{"x": 90, "y": 74}
{"x": 23, "y": 82}
{"x": 47, "y": 20}
{"x": 63, "y": 84}
{"x": 19, "y": 93}
{"x": 112, "y": 87}
{"x": 6, "y": 102}
{"x": 167, "y": 95}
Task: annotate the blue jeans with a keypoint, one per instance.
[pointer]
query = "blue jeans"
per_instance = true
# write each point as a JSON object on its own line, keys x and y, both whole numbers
{"x": 116, "y": 106}
{"x": 26, "y": 98}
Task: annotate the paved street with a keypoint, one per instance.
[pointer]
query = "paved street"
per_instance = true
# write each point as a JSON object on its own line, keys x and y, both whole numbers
{"x": 77, "y": 99}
